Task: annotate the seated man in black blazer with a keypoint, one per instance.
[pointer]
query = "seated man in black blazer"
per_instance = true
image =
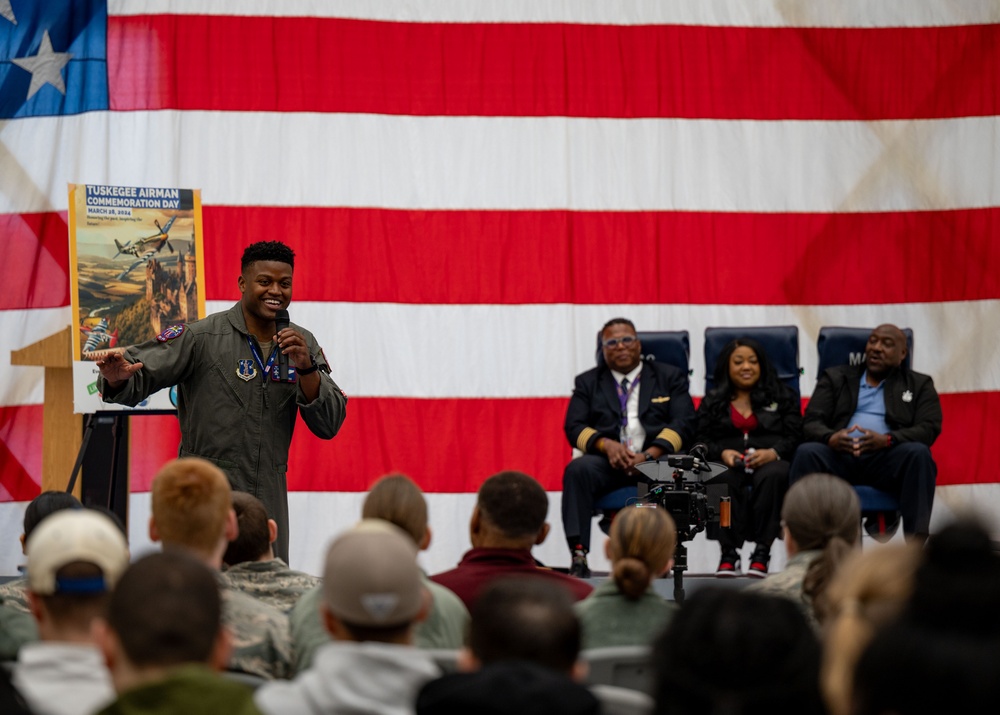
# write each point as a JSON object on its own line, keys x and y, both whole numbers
{"x": 622, "y": 413}
{"x": 874, "y": 424}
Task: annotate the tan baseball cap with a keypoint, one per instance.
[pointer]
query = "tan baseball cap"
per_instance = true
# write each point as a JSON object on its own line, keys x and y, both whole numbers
{"x": 371, "y": 576}
{"x": 75, "y": 535}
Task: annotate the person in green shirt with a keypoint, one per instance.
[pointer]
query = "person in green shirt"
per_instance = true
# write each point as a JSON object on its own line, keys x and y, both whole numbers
{"x": 625, "y": 610}
{"x": 164, "y": 643}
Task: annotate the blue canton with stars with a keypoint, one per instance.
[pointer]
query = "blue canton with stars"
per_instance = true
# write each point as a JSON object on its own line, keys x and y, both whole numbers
{"x": 53, "y": 57}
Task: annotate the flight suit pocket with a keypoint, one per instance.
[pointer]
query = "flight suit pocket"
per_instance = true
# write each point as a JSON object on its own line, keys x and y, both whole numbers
{"x": 237, "y": 387}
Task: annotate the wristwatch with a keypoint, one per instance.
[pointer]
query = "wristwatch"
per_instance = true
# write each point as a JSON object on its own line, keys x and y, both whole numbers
{"x": 649, "y": 457}
{"x": 309, "y": 370}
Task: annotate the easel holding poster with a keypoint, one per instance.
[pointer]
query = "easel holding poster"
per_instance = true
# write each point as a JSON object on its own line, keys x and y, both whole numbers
{"x": 136, "y": 266}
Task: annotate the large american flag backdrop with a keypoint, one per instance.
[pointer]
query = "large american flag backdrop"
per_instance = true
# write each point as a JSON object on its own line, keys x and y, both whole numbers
{"x": 473, "y": 188}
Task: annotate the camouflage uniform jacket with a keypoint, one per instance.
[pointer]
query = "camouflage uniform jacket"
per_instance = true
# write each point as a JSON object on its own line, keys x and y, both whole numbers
{"x": 17, "y": 625}
{"x": 261, "y": 642}
{"x": 444, "y": 626}
{"x": 270, "y": 581}
{"x": 229, "y": 413}
{"x": 788, "y": 583}
{"x": 14, "y": 594}
{"x": 16, "y": 629}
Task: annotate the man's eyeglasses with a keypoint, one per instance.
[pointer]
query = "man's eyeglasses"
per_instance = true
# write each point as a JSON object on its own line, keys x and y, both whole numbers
{"x": 612, "y": 343}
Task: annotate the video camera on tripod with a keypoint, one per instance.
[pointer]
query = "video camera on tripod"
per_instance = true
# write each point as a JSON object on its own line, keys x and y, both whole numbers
{"x": 679, "y": 486}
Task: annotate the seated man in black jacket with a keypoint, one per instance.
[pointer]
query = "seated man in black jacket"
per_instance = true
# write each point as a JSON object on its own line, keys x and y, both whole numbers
{"x": 874, "y": 424}
{"x": 622, "y": 413}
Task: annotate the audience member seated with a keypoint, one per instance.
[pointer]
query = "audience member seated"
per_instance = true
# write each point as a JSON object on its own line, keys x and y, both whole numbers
{"x": 734, "y": 651}
{"x": 623, "y": 412}
{"x": 164, "y": 642}
{"x": 397, "y": 499}
{"x": 11, "y": 701}
{"x": 13, "y": 593}
{"x": 822, "y": 525}
{"x": 943, "y": 653}
{"x": 372, "y": 598}
{"x": 74, "y": 559}
{"x": 874, "y": 424}
{"x": 251, "y": 565}
{"x": 869, "y": 590}
{"x": 625, "y": 610}
{"x": 192, "y": 512}
{"x": 507, "y": 521}
{"x": 522, "y": 657}
{"x": 751, "y": 422}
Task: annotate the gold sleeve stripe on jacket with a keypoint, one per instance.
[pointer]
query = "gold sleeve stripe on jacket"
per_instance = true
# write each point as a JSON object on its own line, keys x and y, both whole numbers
{"x": 670, "y": 436}
{"x": 584, "y": 437}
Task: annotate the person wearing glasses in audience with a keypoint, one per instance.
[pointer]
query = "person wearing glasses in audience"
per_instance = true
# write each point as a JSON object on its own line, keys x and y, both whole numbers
{"x": 751, "y": 422}
{"x": 623, "y": 412}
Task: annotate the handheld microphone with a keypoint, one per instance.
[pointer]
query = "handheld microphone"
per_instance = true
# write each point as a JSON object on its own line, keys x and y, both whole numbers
{"x": 281, "y": 322}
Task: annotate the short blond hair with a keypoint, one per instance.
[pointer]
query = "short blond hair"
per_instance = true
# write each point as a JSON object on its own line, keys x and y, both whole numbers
{"x": 191, "y": 499}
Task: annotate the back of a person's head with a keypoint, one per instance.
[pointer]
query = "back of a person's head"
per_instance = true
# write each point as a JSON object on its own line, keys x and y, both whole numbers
{"x": 507, "y": 688}
{"x": 191, "y": 499}
{"x": 868, "y": 592}
{"x": 528, "y": 619}
{"x": 943, "y": 652}
{"x": 913, "y": 669}
{"x": 957, "y": 586}
{"x": 166, "y": 610}
{"x": 514, "y": 503}
{"x": 822, "y": 512}
{"x": 46, "y": 503}
{"x": 254, "y": 539}
{"x": 642, "y": 543}
{"x": 739, "y": 653}
{"x": 75, "y": 557}
{"x": 371, "y": 582}
{"x": 397, "y": 499}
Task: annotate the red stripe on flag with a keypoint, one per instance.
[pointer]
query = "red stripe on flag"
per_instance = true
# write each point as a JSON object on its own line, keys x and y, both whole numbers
{"x": 452, "y": 445}
{"x": 153, "y": 441}
{"x": 21, "y": 451}
{"x": 964, "y": 451}
{"x": 515, "y": 257}
{"x": 34, "y": 270}
{"x": 297, "y": 64}
{"x": 518, "y": 257}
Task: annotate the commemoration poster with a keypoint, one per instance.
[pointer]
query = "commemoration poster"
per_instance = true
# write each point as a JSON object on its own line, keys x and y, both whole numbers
{"x": 136, "y": 268}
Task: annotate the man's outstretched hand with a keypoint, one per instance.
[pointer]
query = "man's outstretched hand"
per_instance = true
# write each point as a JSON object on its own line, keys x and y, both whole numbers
{"x": 116, "y": 369}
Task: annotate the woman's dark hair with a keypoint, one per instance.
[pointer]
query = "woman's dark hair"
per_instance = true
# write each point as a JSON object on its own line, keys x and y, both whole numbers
{"x": 737, "y": 652}
{"x": 769, "y": 389}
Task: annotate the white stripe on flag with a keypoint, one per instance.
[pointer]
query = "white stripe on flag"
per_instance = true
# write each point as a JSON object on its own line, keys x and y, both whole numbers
{"x": 739, "y": 13}
{"x": 470, "y": 351}
{"x": 514, "y": 162}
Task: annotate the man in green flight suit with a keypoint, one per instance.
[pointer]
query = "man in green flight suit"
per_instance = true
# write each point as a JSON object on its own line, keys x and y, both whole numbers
{"x": 235, "y": 407}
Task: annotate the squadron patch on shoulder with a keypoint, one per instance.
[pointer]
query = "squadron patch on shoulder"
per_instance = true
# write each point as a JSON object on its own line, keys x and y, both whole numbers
{"x": 171, "y": 332}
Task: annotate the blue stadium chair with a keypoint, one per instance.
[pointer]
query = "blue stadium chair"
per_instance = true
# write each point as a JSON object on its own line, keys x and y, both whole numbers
{"x": 780, "y": 342}
{"x": 669, "y": 346}
{"x": 839, "y": 345}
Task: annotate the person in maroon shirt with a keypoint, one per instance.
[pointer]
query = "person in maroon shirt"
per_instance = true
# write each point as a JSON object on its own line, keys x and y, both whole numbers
{"x": 507, "y": 521}
{"x": 751, "y": 422}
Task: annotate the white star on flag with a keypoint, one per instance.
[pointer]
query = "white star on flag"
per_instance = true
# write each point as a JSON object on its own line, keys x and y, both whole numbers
{"x": 45, "y": 67}
{"x": 7, "y": 11}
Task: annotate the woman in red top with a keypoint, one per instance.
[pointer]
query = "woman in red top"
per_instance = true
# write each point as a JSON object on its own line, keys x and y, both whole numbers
{"x": 751, "y": 422}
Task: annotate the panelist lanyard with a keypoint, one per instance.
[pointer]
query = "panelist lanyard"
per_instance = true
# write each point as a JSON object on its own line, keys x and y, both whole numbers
{"x": 260, "y": 360}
